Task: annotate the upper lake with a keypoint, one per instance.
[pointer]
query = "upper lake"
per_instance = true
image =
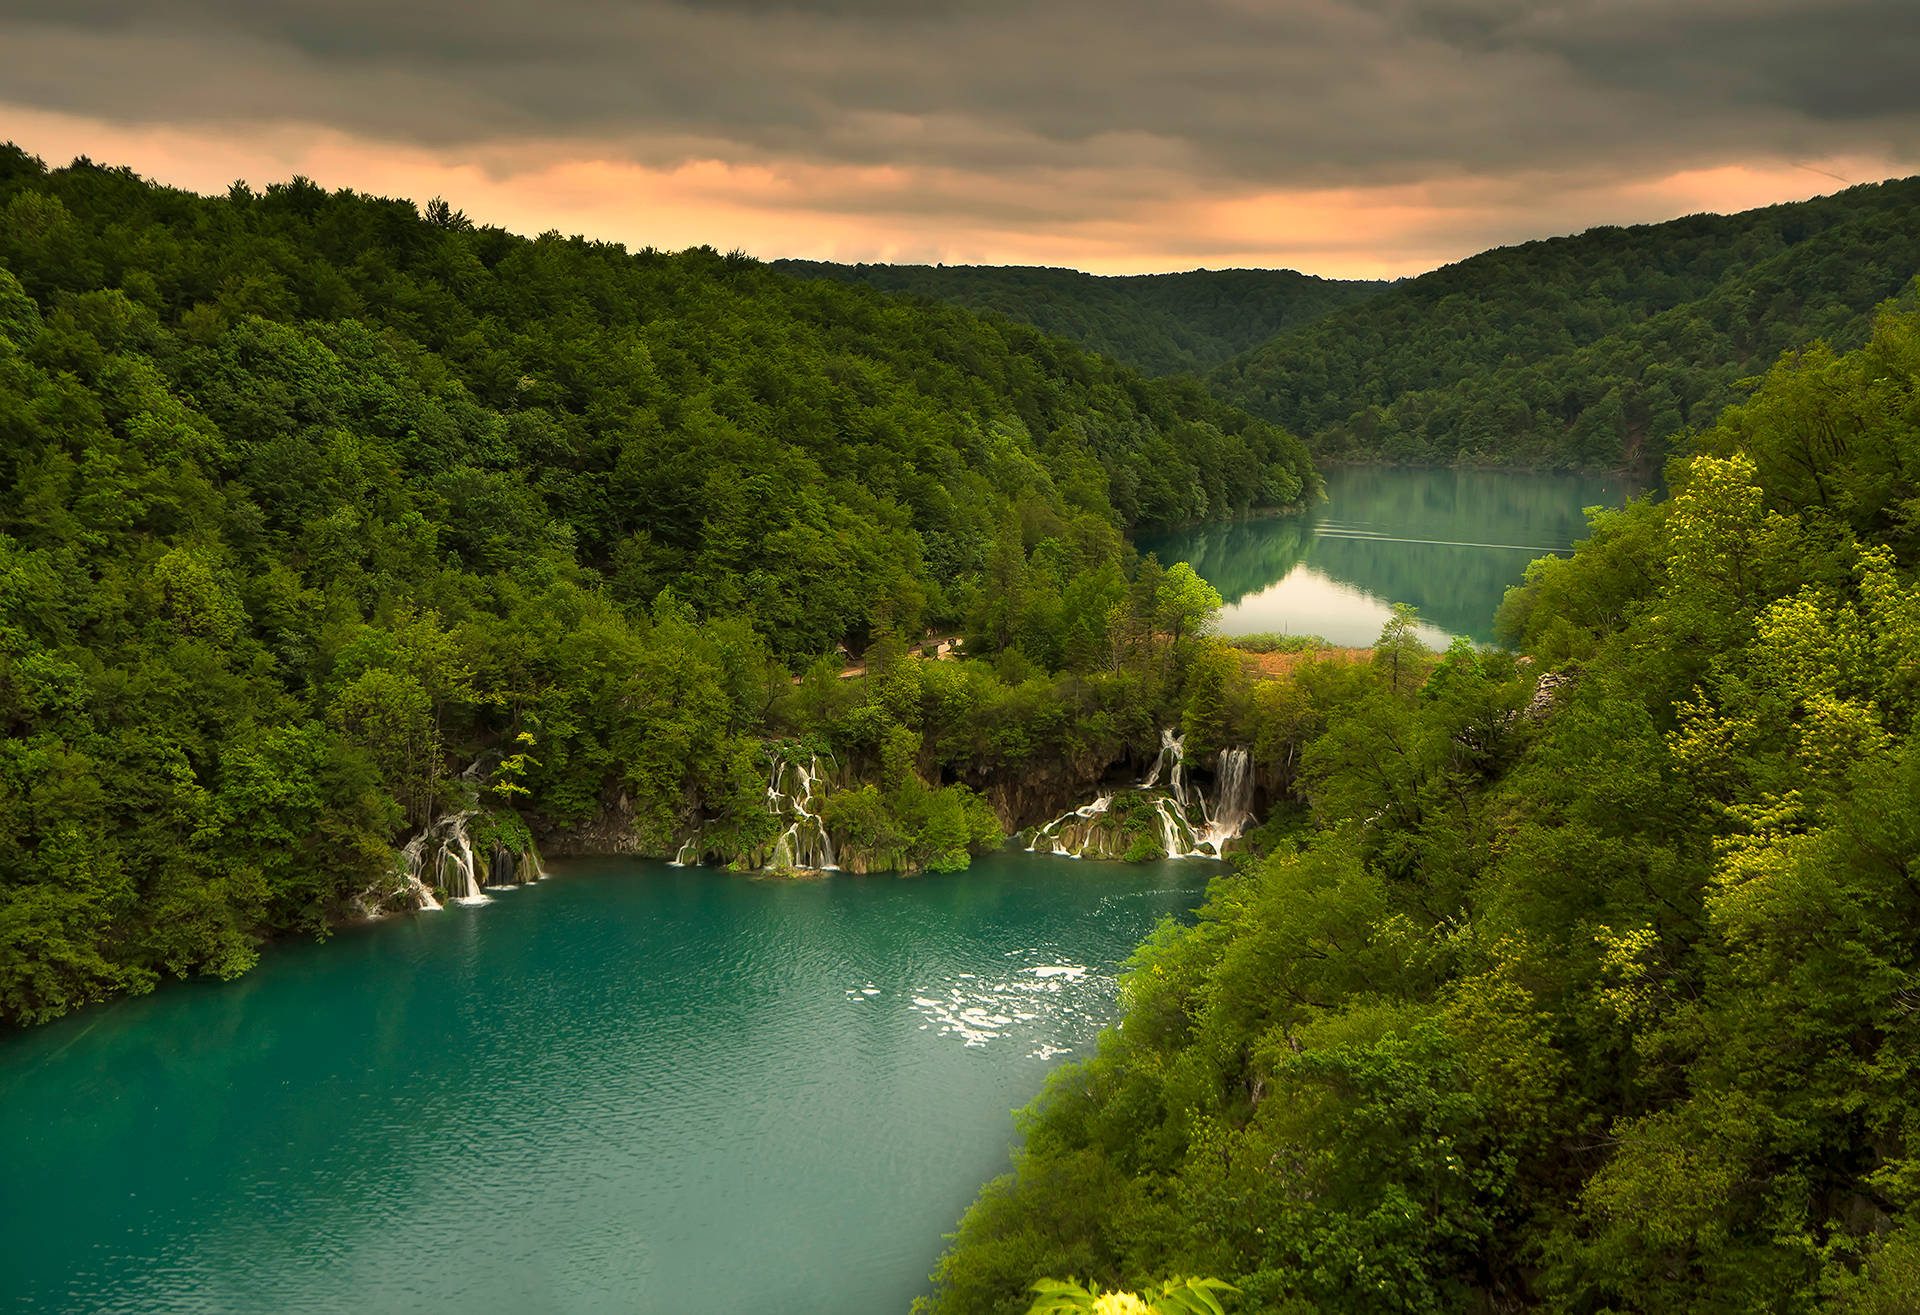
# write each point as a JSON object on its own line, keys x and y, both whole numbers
{"x": 629, "y": 1088}
{"x": 1450, "y": 542}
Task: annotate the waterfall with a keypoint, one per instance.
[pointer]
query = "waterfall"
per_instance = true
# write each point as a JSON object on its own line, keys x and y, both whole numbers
{"x": 500, "y": 867}
{"x": 443, "y": 855}
{"x": 447, "y": 838}
{"x": 793, "y": 792}
{"x": 1082, "y": 833}
{"x": 417, "y": 890}
{"x": 1066, "y": 835}
{"x": 1233, "y": 791}
{"x": 456, "y": 852}
{"x": 687, "y": 855}
{"x": 1173, "y": 757}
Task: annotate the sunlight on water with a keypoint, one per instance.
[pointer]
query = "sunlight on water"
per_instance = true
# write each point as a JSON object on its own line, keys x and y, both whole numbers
{"x": 1307, "y": 602}
{"x": 1450, "y": 542}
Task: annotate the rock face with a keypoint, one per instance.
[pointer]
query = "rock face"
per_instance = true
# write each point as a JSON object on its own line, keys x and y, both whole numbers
{"x": 1035, "y": 796}
{"x": 1552, "y": 686}
{"x": 612, "y": 830}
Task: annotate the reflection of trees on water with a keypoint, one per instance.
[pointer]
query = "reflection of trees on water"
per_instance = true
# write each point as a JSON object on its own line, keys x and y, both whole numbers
{"x": 1241, "y": 557}
{"x": 1407, "y": 536}
{"x": 1456, "y": 589}
{"x": 1473, "y": 506}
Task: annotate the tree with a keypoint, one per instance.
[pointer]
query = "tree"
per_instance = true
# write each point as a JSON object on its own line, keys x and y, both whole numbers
{"x": 1398, "y": 654}
{"x": 390, "y": 715}
{"x": 1185, "y": 606}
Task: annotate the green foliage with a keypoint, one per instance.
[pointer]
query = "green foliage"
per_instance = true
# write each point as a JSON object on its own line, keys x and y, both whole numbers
{"x": 1596, "y": 351}
{"x": 1185, "y": 1296}
{"x": 1268, "y": 642}
{"x": 320, "y": 518}
{"x": 1161, "y": 324}
{"x": 1587, "y": 995}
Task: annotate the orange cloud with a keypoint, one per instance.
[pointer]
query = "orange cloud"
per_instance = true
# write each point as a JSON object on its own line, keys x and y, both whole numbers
{"x": 1144, "y": 215}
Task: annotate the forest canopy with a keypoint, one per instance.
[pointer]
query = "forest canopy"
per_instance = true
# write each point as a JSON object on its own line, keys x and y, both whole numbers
{"x": 1581, "y": 992}
{"x": 1596, "y": 351}
{"x": 320, "y": 512}
{"x": 1162, "y": 324}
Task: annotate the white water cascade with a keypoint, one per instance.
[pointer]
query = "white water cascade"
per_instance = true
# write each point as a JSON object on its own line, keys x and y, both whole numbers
{"x": 444, "y": 855}
{"x": 1221, "y": 818}
{"x": 1070, "y": 834}
{"x": 450, "y": 846}
{"x": 795, "y": 792}
{"x": 1232, "y": 808}
{"x": 687, "y": 855}
{"x": 1173, "y": 759}
{"x": 420, "y": 893}
{"x": 452, "y": 856}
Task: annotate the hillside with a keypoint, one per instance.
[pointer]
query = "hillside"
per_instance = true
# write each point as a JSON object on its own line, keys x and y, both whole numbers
{"x": 322, "y": 519}
{"x": 1160, "y": 323}
{"x": 1589, "y": 351}
{"x": 1593, "y": 990}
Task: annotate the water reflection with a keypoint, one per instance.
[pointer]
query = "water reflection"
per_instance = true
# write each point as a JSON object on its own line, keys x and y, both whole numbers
{"x": 1451, "y": 542}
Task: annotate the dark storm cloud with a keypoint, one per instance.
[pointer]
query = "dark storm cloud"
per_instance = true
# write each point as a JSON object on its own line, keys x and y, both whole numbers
{"x": 1254, "y": 92}
{"x": 1826, "y": 60}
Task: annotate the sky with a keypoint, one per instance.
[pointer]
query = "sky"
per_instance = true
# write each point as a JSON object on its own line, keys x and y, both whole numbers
{"x": 1348, "y": 138}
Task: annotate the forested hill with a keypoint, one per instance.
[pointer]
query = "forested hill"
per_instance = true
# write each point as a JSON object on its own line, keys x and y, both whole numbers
{"x": 1589, "y": 351}
{"x": 1591, "y": 994}
{"x": 310, "y": 503}
{"x": 1160, "y": 323}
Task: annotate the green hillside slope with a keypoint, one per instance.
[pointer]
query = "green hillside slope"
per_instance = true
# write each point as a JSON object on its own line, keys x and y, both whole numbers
{"x": 1160, "y": 323}
{"x": 1589, "y": 351}
{"x": 1588, "y": 991}
{"x": 321, "y": 519}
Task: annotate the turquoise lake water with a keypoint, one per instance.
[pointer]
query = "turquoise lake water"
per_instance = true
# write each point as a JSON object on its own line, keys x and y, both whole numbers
{"x": 1450, "y": 542}
{"x": 630, "y": 1088}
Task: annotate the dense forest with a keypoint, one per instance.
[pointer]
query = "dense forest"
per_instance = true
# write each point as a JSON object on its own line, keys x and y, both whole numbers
{"x": 1161, "y": 323}
{"x": 1589, "y": 991}
{"x": 322, "y": 517}
{"x": 1581, "y": 977}
{"x": 1592, "y": 351}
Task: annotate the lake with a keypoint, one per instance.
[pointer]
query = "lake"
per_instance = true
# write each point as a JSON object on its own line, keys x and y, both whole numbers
{"x": 1450, "y": 542}
{"x": 629, "y": 1088}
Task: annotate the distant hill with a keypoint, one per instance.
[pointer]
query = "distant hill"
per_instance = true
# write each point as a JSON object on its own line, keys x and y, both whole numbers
{"x": 1160, "y": 323}
{"x": 1590, "y": 351}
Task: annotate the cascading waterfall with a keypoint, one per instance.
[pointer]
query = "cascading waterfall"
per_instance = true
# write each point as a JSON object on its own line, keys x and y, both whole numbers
{"x": 417, "y": 890}
{"x": 414, "y": 861}
{"x": 456, "y": 852}
{"x": 507, "y": 869}
{"x": 1233, "y": 791}
{"x": 1068, "y": 834}
{"x": 1224, "y": 817}
{"x": 795, "y": 794}
{"x": 1176, "y": 833}
{"x": 445, "y": 851}
{"x": 804, "y": 845}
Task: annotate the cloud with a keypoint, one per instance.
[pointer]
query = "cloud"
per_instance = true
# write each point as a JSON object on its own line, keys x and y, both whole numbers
{"x": 1013, "y": 125}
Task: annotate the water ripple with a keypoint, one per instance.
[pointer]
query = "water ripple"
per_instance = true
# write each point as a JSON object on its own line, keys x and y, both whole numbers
{"x": 620, "y": 1086}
